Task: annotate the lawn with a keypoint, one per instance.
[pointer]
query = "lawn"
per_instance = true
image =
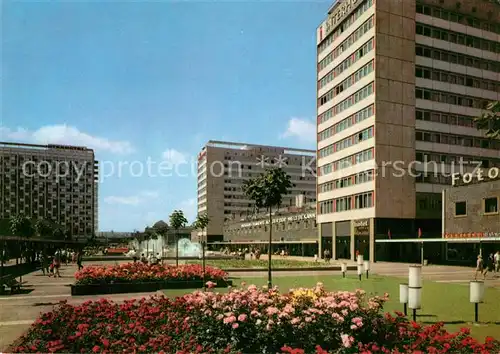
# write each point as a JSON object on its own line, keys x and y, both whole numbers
{"x": 261, "y": 263}
{"x": 448, "y": 303}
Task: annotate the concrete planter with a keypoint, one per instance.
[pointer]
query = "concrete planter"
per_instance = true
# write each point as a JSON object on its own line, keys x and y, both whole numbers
{"x": 140, "y": 287}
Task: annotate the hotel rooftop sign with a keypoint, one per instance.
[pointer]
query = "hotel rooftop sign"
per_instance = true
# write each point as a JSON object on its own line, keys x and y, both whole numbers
{"x": 339, "y": 12}
{"x": 478, "y": 175}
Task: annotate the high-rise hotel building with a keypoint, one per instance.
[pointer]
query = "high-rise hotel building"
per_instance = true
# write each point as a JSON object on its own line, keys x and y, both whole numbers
{"x": 58, "y": 183}
{"x": 224, "y": 166}
{"x": 399, "y": 83}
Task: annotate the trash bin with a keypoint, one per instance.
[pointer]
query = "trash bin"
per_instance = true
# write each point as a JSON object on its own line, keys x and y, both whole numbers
{"x": 425, "y": 262}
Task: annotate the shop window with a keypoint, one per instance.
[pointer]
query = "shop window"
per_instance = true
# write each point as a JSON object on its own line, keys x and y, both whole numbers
{"x": 460, "y": 208}
{"x": 491, "y": 205}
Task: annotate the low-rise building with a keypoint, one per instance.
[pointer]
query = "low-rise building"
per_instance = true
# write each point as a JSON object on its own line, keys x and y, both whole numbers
{"x": 471, "y": 211}
{"x": 294, "y": 230}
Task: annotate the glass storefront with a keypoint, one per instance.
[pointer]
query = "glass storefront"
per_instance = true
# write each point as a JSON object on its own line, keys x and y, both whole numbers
{"x": 362, "y": 245}
{"x": 343, "y": 247}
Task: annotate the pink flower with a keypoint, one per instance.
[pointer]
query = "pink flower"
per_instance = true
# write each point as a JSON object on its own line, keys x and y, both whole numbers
{"x": 229, "y": 319}
{"x": 358, "y": 321}
{"x": 211, "y": 284}
{"x": 295, "y": 320}
{"x": 242, "y": 317}
{"x": 271, "y": 310}
{"x": 347, "y": 340}
{"x": 235, "y": 325}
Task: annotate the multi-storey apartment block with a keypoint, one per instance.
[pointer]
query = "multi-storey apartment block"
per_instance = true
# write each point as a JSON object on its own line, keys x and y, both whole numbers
{"x": 399, "y": 83}
{"x": 223, "y": 166}
{"x": 54, "y": 182}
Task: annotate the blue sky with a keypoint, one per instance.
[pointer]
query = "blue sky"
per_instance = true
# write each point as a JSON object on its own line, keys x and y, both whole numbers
{"x": 157, "y": 80}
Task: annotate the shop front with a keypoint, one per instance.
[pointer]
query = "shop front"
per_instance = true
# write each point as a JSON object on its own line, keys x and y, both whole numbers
{"x": 361, "y": 231}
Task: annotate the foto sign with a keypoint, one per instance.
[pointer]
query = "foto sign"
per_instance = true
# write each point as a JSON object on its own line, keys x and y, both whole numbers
{"x": 478, "y": 175}
{"x": 340, "y": 12}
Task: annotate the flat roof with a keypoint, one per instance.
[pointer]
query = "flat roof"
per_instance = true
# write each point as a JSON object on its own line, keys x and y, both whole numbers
{"x": 247, "y": 146}
{"x": 442, "y": 239}
{"x": 39, "y": 146}
{"x": 333, "y": 6}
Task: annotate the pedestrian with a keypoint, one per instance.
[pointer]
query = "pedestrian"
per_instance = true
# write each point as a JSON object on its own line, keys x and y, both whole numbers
{"x": 144, "y": 259}
{"x": 327, "y": 256}
{"x": 496, "y": 259}
{"x": 57, "y": 264}
{"x": 79, "y": 260}
{"x": 479, "y": 267}
{"x": 44, "y": 263}
{"x": 490, "y": 265}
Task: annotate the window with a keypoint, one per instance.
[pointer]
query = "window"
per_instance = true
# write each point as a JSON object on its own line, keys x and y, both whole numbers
{"x": 460, "y": 208}
{"x": 491, "y": 205}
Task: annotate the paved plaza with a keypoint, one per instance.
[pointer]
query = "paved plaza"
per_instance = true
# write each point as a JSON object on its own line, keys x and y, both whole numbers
{"x": 41, "y": 293}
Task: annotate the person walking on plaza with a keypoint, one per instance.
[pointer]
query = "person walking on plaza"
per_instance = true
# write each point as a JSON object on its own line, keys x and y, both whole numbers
{"x": 57, "y": 264}
{"x": 496, "y": 259}
{"x": 327, "y": 256}
{"x": 489, "y": 266}
{"x": 44, "y": 263}
{"x": 480, "y": 267}
{"x": 79, "y": 260}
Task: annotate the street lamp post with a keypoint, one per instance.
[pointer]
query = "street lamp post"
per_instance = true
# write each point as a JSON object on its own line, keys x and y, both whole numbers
{"x": 415, "y": 289}
{"x": 343, "y": 267}
{"x": 367, "y": 268}
{"x": 203, "y": 243}
{"x": 403, "y": 297}
{"x": 476, "y": 296}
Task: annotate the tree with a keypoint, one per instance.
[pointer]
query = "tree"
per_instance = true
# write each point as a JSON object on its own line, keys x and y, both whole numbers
{"x": 177, "y": 221}
{"x": 490, "y": 120}
{"x": 43, "y": 228}
{"x": 21, "y": 225}
{"x": 267, "y": 191}
{"x": 201, "y": 224}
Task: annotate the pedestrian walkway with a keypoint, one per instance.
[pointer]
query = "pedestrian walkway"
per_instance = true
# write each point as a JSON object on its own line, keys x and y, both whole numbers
{"x": 41, "y": 293}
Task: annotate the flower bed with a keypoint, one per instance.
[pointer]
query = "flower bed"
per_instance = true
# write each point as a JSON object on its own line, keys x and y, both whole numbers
{"x": 139, "y": 277}
{"x": 248, "y": 320}
{"x": 277, "y": 263}
{"x": 139, "y": 272}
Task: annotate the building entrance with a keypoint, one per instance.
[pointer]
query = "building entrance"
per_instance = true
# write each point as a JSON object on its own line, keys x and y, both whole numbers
{"x": 343, "y": 247}
{"x": 362, "y": 245}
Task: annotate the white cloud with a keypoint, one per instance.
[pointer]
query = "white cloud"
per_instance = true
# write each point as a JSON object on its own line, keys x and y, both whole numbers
{"x": 66, "y": 135}
{"x": 302, "y": 129}
{"x": 174, "y": 157}
{"x": 132, "y": 200}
